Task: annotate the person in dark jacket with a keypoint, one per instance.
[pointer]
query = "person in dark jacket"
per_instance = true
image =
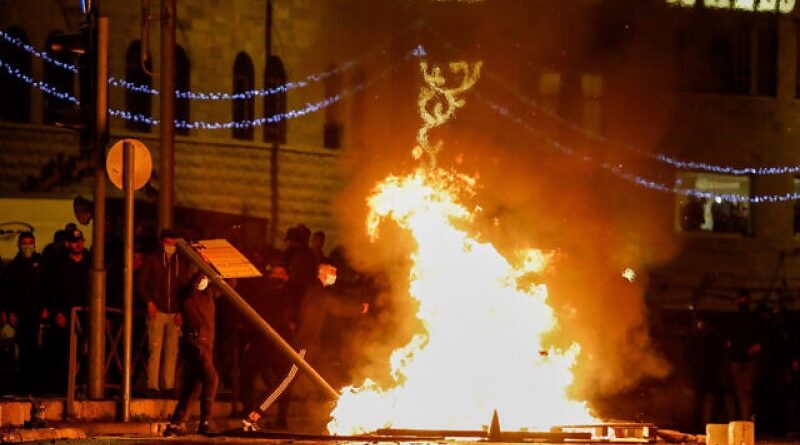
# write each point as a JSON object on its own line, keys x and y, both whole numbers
{"x": 706, "y": 351}
{"x": 24, "y": 292}
{"x": 262, "y": 357}
{"x": 69, "y": 278}
{"x": 302, "y": 269}
{"x": 161, "y": 275}
{"x": 199, "y": 378}
{"x": 745, "y": 346}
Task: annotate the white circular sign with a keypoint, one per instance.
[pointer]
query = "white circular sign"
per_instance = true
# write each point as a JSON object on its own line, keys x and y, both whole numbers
{"x": 142, "y": 163}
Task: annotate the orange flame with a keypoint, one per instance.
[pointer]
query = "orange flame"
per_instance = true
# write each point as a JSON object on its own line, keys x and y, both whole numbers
{"x": 482, "y": 348}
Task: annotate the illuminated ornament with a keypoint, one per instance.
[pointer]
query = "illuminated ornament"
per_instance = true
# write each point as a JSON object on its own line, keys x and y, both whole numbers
{"x": 438, "y": 104}
{"x": 629, "y": 274}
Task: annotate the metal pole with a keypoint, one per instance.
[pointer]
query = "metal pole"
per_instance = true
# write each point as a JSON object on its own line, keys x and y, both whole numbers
{"x": 239, "y": 303}
{"x": 97, "y": 301}
{"x": 128, "y": 162}
{"x": 166, "y": 172}
{"x": 72, "y": 367}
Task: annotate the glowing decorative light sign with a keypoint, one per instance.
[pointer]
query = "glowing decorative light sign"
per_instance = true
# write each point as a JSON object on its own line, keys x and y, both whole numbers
{"x": 781, "y": 6}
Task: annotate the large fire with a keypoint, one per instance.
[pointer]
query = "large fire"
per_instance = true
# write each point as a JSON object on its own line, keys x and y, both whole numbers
{"x": 482, "y": 345}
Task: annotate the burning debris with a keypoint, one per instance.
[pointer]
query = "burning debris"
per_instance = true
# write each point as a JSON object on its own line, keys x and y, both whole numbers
{"x": 629, "y": 274}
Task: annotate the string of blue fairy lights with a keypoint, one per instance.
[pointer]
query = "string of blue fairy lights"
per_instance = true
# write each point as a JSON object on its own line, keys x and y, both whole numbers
{"x": 661, "y": 157}
{"x": 16, "y": 41}
{"x": 619, "y": 171}
{"x": 41, "y": 85}
{"x": 146, "y": 89}
{"x": 203, "y": 125}
{"x": 214, "y": 95}
{"x": 291, "y": 114}
{"x": 244, "y": 95}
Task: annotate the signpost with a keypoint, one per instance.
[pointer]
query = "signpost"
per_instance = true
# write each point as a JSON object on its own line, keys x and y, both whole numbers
{"x": 129, "y": 166}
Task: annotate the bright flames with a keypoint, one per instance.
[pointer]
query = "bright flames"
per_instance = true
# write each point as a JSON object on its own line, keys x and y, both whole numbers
{"x": 482, "y": 347}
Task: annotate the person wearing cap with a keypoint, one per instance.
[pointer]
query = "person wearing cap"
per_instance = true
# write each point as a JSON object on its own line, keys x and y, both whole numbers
{"x": 69, "y": 279}
{"x": 24, "y": 293}
{"x": 162, "y": 274}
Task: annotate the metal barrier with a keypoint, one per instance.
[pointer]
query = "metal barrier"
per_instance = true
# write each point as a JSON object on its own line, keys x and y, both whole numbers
{"x": 78, "y": 339}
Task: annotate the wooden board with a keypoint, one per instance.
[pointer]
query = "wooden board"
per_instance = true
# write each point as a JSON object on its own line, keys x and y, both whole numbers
{"x": 229, "y": 262}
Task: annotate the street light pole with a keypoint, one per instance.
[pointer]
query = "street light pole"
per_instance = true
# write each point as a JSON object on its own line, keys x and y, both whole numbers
{"x": 97, "y": 300}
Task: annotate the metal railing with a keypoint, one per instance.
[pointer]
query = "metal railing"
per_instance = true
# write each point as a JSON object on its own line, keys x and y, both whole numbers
{"x": 78, "y": 342}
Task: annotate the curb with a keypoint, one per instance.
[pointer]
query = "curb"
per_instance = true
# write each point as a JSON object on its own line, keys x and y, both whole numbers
{"x": 30, "y": 435}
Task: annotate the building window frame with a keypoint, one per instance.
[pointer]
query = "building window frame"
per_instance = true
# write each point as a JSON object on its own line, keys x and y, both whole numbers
{"x": 713, "y": 216}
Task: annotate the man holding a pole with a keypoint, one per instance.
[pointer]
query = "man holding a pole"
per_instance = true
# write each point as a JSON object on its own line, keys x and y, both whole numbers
{"x": 199, "y": 376}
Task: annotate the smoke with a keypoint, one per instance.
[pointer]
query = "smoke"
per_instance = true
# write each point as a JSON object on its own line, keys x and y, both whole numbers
{"x": 531, "y": 195}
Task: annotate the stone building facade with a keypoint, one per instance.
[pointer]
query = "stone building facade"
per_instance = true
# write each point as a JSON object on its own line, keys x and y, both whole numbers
{"x": 216, "y": 170}
{"x": 720, "y": 84}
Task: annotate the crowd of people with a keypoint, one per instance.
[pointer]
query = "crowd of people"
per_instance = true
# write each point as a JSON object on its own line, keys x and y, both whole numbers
{"x": 744, "y": 365}
{"x": 37, "y": 293}
{"x": 740, "y": 366}
{"x": 178, "y": 323}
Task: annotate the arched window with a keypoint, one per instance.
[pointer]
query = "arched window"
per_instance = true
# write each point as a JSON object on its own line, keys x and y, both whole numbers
{"x": 275, "y": 104}
{"x": 182, "y": 83}
{"x": 61, "y": 79}
{"x": 15, "y": 104}
{"x": 332, "y": 133}
{"x": 243, "y": 109}
{"x": 137, "y": 102}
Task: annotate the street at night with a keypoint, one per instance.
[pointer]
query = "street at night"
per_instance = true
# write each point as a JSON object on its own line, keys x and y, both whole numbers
{"x": 401, "y": 221}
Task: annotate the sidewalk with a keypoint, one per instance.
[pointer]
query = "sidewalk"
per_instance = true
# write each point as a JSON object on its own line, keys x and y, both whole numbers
{"x": 16, "y": 412}
{"x": 97, "y": 419}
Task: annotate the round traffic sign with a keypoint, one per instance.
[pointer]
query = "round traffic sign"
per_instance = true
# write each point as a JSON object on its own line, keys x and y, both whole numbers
{"x": 142, "y": 163}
